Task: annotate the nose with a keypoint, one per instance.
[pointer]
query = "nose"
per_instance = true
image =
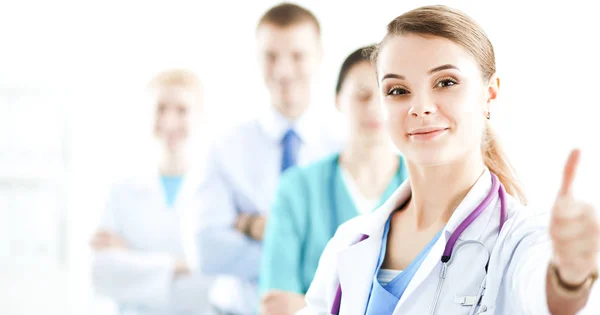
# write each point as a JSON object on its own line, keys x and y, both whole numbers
{"x": 169, "y": 120}
{"x": 283, "y": 68}
{"x": 422, "y": 106}
{"x": 373, "y": 105}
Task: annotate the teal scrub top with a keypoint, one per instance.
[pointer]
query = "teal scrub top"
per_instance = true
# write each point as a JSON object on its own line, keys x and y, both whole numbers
{"x": 300, "y": 222}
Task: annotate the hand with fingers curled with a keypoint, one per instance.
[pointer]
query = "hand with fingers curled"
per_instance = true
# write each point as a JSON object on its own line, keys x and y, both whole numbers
{"x": 106, "y": 239}
{"x": 575, "y": 233}
{"x": 276, "y": 302}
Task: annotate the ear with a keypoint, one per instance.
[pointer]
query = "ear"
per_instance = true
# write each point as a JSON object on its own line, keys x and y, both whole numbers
{"x": 492, "y": 91}
{"x": 337, "y": 103}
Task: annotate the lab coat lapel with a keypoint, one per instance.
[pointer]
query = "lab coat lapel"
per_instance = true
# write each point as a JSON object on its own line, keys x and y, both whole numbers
{"x": 189, "y": 186}
{"x": 358, "y": 262}
{"x": 356, "y": 266}
{"x": 186, "y": 206}
{"x": 427, "y": 267}
{"x": 147, "y": 186}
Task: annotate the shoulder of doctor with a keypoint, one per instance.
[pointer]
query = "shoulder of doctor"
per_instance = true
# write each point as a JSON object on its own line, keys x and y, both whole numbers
{"x": 126, "y": 182}
{"x": 350, "y": 232}
{"x": 524, "y": 220}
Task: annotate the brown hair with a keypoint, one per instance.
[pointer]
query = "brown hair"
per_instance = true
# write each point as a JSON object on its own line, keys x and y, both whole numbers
{"x": 360, "y": 55}
{"x": 451, "y": 24}
{"x": 289, "y": 14}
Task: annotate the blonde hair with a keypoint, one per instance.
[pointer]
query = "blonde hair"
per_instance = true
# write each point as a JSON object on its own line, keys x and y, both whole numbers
{"x": 177, "y": 77}
{"x": 451, "y": 24}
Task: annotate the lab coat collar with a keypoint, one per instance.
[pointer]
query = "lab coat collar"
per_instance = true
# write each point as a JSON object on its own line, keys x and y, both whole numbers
{"x": 357, "y": 262}
{"x": 376, "y": 221}
{"x": 276, "y": 125}
{"x": 363, "y": 256}
{"x": 149, "y": 183}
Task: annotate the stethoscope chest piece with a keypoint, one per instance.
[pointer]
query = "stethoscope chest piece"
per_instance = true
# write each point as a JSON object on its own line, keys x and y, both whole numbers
{"x": 462, "y": 277}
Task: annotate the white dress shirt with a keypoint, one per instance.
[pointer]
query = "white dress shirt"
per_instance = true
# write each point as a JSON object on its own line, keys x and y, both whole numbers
{"x": 242, "y": 176}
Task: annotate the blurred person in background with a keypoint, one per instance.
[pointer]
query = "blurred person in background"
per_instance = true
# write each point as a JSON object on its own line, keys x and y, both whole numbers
{"x": 244, "y": 166}
{"x": 143, "y": 249}
{"x": 312, "y": 201}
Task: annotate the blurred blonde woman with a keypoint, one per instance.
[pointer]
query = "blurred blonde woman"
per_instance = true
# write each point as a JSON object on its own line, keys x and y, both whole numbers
{"x": 140, "y": 257}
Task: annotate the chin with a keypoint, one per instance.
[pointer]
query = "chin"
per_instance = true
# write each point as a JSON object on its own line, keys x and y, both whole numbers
{"x": 294, "y": 109}
{"x": 427, "y": 159}
{"x": 426, "y": 154}
{"x": 173, "y": 147}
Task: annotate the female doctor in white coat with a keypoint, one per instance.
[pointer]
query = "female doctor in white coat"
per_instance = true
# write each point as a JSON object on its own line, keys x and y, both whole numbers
{"x": 143, "y": 248}
{"x": 460, "y": 215}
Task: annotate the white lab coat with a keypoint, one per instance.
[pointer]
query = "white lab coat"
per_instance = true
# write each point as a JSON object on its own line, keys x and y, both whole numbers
{"x": 517, "y": 270}
{"x": 141, "y": 279}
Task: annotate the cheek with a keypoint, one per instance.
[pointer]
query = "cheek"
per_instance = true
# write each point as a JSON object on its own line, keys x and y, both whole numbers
{"x": 158, "y": 124}
{"x": 304, "y": 69}
{"x": 469, "y": 129}
{"x": 467, "y": 114}
{"x": 267, "y": 69}
{"x": 395, "y": 120}
{"x": 185, "y": 127}
{"x": 358, "y": 114}
{"x": 394, "y": 113}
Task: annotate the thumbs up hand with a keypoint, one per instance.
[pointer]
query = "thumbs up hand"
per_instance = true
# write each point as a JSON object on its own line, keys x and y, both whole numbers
{"x": 575, "y": 231}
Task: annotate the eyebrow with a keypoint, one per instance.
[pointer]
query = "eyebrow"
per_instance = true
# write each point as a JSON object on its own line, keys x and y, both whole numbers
{"x": 441, "y": 68}
{"x": 432, "y": 71}
{"x": 393, "y": 76}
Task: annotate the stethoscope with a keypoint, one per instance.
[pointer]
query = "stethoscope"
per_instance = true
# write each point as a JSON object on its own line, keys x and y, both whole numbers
{"x": 447, "y": 257}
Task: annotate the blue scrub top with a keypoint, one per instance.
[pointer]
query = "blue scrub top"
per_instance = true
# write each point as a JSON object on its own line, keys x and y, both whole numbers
{"x": 383, "y": 299}
{"x": 171, "y": 185}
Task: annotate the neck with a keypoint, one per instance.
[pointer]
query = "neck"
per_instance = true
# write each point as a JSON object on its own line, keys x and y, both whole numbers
{"x": 367, "y": 157}
{"x": 173, "y": 163}
{"x": 293, "y": 111}
{"x": 438, "y": 190}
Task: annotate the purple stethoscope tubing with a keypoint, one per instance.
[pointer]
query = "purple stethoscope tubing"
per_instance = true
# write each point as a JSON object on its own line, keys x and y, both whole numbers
{"x": 496, "y": 187}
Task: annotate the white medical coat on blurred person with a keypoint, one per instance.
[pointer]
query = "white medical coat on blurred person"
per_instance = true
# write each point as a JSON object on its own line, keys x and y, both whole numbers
{"x": 141, "y": 277}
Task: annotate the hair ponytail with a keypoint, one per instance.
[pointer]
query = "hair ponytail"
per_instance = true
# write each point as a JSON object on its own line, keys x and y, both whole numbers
{"x": 497, "y": 162}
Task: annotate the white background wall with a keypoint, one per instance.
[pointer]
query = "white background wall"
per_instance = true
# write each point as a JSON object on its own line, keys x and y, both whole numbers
{"x": 94, "y": 57}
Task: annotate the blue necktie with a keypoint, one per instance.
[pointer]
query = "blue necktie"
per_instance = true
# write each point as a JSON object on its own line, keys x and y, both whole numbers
{"x": 290, "y": 144}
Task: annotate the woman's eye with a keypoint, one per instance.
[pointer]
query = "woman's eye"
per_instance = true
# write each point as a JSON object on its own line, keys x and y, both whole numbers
{"x": 446, "y": 83}
{"x": 397, "y": 91}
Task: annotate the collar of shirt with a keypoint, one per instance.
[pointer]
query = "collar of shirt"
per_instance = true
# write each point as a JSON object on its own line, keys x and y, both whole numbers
{"x": 276, "y": 125}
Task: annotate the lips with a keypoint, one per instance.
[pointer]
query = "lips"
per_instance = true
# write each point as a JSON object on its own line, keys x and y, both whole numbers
{"x": 427, "y": 134}
{"x": 424, "y": 131}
